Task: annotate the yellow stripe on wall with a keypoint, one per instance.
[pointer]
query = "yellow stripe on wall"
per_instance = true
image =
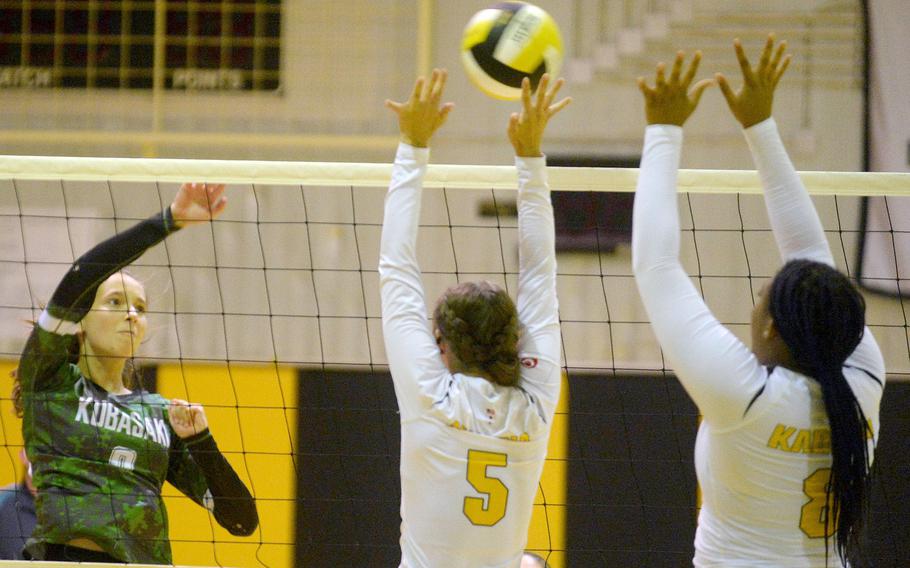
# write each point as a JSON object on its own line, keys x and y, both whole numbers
{"x": 547, "y": 533}
{"x": 11, "y": 469}
{"x": 252, "y": 412}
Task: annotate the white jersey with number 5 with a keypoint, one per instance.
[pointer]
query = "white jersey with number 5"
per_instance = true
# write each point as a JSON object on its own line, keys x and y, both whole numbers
{"x": 471, "y": 451}
{"x": 763, "y": 452}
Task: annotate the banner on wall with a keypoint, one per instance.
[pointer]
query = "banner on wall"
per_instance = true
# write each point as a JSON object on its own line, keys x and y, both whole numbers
{"x": 884, "y": 263}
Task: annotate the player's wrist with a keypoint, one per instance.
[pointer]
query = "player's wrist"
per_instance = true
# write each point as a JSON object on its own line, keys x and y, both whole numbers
{"x": 198, "y": 437}
{"x": 415, "y": 141}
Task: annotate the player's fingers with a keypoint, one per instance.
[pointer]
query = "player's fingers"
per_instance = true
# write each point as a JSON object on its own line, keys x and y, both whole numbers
{"x": 438, "y": 85}
{"x": 555, "y": 108}
{"x": 766, "y": 53}
{"x": 643, "y": 87}
{"x": 778, "y": 54}
{"x": 198, "y": 412}
{"x": 698, "y": 90}
{"x": 743, "y": 61}
{"x": 554, "y": 90}
{"x": 542, "y": 86}
{"x": 178, "y": 410}
{"x": 205, "y": 192}
{"x": 783, "y": 68}
{"x": 218, "y": 207}
{"x": 677, "y": 68}
{"x": 526, "y": 94}
{"x": 215, "y": 191}
{"x": 418, "y": 88}
{"x": 429, "y": 92}
{"x": 444, "y": 113}
{"x": 393, "y": 106}
{"x": 659, "y": 80}
{"x": 693, "y": 69}
{"x": 428, "y": 86}
{"x": 513, "y": 125}
{"x": 725, "y": 88}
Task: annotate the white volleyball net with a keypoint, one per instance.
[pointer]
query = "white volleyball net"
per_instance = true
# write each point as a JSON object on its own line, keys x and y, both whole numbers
{"x": 269, "y": 317}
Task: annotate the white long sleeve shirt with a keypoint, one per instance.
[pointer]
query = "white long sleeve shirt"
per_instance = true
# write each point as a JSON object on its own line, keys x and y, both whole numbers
{"x": 471, "y": 451}
{"x": 762, "y": 453}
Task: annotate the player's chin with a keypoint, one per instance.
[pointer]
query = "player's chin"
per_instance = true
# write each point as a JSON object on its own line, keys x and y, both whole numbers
{"x": 128, "y": 343}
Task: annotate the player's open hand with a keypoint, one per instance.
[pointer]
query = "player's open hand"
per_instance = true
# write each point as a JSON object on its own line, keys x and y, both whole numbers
{"x": 526, "y": 128}
{"x": 671, "y": 101}
{"x": 197, "y": 203}
{"x": 752, "y": 103}
{"x": 186, "y": 419}
{"x": 421, "y": 115}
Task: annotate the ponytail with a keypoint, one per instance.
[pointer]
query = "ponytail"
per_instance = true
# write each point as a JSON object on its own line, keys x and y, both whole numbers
{"x": 821, "y": 317}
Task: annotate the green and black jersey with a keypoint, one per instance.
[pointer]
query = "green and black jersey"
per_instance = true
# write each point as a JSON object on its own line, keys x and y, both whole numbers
{"x": 100, "y": 459}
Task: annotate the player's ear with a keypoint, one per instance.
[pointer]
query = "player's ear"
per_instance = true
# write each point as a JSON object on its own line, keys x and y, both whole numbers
{"x": 770, "y": 330}
{"x": 439, "y": 341}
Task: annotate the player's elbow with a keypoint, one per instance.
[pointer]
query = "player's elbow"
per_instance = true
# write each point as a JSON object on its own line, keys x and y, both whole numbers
{"x": 240, "y": 519}
{"x": 244, "y": 530}
{"x": 646, "y": 261}
{"x": 641, "y": 264}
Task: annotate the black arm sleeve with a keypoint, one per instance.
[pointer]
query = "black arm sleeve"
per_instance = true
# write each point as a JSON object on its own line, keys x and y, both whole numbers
{"x": 75, "y": 294}
{"x": 235, "y": 508}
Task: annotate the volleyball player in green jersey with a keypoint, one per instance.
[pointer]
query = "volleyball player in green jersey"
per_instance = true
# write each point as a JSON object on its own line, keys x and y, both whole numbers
{"x": 101, "y": 450}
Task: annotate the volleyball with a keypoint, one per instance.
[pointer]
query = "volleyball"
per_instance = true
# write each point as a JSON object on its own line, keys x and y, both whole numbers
{"x": 507, "y": 42}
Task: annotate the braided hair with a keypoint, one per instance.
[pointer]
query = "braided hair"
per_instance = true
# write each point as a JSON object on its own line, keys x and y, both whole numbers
{"x": 479, "y": 321}
{"x": 820, "y": 316}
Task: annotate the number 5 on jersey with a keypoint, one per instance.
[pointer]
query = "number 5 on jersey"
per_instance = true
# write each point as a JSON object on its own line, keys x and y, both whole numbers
{"x": 491, "y": 508}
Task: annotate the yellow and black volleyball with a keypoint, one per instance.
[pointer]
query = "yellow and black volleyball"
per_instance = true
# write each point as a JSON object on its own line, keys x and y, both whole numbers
{"x": 507, "y": 42}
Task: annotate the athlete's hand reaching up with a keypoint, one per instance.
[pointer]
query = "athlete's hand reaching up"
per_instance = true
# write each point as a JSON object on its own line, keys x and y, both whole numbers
{"x": 751, "y": 104}
{"x": 197, "y": 203}
{"x": 671, "y": 101}
{"x": 421, "y": 115}
{"x": 526, "y": 128}
{"x": 186, "y": 419}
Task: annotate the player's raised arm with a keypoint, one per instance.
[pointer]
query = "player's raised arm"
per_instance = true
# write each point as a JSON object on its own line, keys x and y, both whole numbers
{"x": 797, "y": 228}
{"x": 794, "y": 220}
{"x": 410, "y": 346}
{"x": 536, "y": 300}
{"x": 716, "y": 368}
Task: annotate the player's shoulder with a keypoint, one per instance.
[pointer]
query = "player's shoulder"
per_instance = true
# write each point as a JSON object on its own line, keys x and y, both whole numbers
{"x": 785, "y": 386}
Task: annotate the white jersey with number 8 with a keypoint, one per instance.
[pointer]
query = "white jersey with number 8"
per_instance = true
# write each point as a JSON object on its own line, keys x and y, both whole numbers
{"x": 763, "y": 453}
